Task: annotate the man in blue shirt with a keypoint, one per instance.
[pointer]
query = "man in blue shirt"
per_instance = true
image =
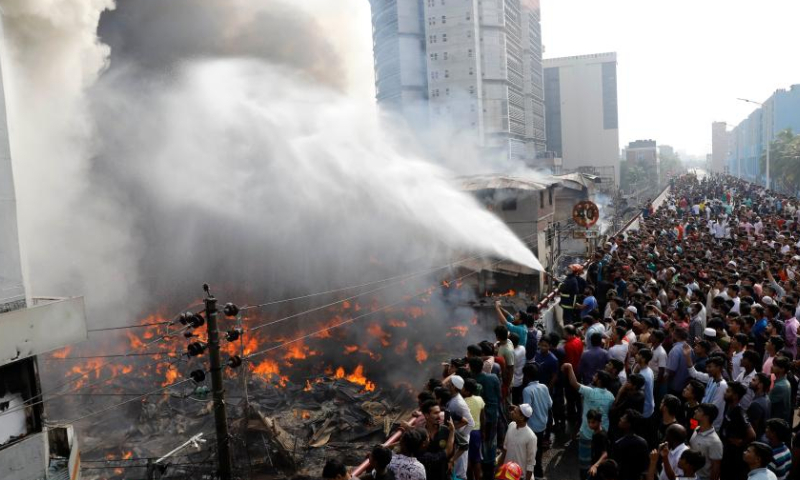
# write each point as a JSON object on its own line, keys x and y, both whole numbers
{"x": 514, "y": 323}
{"x": 546, "y": 363}
{"x": 537, "y": 396}
{"x": 589, "y": 301}
{"x": 677, "y": 368}
{"x": 593, "y": 360}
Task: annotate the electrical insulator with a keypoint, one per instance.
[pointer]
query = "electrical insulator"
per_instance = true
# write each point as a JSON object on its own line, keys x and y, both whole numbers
{"x": 184, "y": 317}
{"x": 197, "y": 321}
{"x": 235, "y": 361}
{"x": 189, "y": 334}
{"x": 196, "y": 348}
{"x": 230, "y": 310}
{"x": 233, "y": 334}
{"x": 198, "y": 376}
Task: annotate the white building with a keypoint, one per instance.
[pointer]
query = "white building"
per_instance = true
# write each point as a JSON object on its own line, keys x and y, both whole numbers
{"x": 581, "y": 111}
{"x": 482, "y": 70}
{"x": 29, "y": 450}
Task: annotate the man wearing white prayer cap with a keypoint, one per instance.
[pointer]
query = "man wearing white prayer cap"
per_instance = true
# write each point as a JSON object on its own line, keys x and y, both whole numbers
{"x": 520, "y": 443}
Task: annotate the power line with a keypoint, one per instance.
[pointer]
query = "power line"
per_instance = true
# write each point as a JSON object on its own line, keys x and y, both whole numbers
{"x": 351, "y": 320}
{"x": 120, "y": 404}
{"x": 126, "y": 327}
{"x": 352, "y": 297}
{"x": 118, "y": 355}
{"x": 27, "y": 403}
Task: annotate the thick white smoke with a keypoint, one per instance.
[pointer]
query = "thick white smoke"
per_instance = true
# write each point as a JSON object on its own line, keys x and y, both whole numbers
{"x": 195, "y": 165}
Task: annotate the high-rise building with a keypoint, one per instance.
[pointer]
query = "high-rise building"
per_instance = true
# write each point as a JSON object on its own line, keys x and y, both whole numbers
{"x": 749, "y": 139}
{"x": 472, "y": 67}
{"x": 720, "y": 139}
{"x": 582, "y": 118}
{"x": 644, "y": 153}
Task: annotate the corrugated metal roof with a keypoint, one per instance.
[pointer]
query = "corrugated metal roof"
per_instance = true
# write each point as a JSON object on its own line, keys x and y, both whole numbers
{"x": 577, "y": 180}
{"x": 505, "y": 182}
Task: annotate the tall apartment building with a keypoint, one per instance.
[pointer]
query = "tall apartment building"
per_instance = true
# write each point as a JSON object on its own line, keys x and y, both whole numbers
{"x": 720, "y": 139}
{"x": 749, "y": 139}
{"x": 473, "y": 67}
{"x": 582, "y": 119}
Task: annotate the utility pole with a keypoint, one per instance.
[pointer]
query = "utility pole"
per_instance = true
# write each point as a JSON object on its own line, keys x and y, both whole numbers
{"x": 220, "y": 415}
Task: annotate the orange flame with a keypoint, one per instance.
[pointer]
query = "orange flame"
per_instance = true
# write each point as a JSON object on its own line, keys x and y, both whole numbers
{"x": 63, "y": 352}
{"x": 269, "y": 370}
{"x": 458, "y": 331}
{"x": 356, "y": 377}
{"x": 348, "y": 349}
{"x": 397, "y": 323}
{"x": 376, "y": 331}
{"x": 421, "y": 354}
{"x": 401, "y": 348}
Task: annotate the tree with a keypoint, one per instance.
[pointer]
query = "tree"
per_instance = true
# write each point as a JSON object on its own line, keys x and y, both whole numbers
{"x": 784, "y": 162}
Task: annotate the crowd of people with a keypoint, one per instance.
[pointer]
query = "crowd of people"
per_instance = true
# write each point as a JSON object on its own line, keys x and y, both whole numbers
{"x": 676, "y": 358}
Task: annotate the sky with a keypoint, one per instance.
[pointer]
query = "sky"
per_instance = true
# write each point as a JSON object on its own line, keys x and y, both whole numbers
{"x": 682, "y": 64}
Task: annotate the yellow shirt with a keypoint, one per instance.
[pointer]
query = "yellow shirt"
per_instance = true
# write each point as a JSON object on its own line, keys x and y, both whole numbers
{"x": 475, "y": 404}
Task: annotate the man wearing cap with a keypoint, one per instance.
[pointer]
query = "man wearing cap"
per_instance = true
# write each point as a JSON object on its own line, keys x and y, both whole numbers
{"x": 520, "y": 443}
{"x": 459, "y": 409}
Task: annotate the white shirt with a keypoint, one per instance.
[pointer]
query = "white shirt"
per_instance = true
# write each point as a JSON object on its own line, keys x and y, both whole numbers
{"x": 519, "y": 364}
{"x": 736, "y": 363}
{"x": 659, "y": 360}
{"x": 745, "y": 379}
{"x": 520, "y": 446}
{"x": 619, "y": 352}
{"x": 673, "y": 457}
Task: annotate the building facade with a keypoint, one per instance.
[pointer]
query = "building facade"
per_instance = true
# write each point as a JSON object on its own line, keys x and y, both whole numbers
{"x": 720, "y": 139}
{"x": 582, "y": 119}
{"x": 468, "y": 66}
{"x": 644, "y": 153}
{"x": 749, "y": 139}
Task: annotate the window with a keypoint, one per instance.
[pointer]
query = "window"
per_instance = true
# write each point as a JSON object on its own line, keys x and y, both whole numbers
{"x": 444, "y": 37}
{"x": 444, "y": 56}
{"x": 469, "y": 53}
{"x": 447, "y": 74}
{"x": 444, "y": 19}
{"x": 472, "y": 90}
{"x": 469, "y": 33}
{"x": 471, "y": 107}
{"x": 447, "y": 91}
{"x": 471, "y": 71}
{"x": 508, "y": 204}
{"x": 468, "y": 17}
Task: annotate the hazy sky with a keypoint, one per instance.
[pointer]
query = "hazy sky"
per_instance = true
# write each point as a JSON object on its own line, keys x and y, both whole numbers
{"x": 682, "y": 63}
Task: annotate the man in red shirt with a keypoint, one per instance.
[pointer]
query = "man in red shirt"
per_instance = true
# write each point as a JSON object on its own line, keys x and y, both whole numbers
{"x": 573, "y": 349}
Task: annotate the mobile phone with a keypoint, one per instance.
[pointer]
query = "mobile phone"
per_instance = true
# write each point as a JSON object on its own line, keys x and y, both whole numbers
{"x": 446, "y": 416}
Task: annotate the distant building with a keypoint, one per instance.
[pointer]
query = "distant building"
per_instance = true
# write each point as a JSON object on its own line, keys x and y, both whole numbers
{"x": 474, "y": 68}
{"x": 645, "y": 154}
{"x": 29, "y": 450}
{"x": 666, "y": 151}
{"x": 720, "y": 145}
{"x": 749, "y": 139}
{"x": 581, "y": 111}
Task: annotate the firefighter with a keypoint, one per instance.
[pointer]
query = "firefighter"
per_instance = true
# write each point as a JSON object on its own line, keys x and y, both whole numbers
{"x": 569, "y": 290}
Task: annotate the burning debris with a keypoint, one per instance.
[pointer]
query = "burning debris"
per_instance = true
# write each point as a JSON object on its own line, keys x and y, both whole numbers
{"x": 318, "y": 393}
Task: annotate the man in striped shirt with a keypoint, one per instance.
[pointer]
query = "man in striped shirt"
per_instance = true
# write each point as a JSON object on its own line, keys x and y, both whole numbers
{"x": 778, "y": 434}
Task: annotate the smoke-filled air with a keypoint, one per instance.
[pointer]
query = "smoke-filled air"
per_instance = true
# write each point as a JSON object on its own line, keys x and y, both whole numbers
{"x": 220, "y": 148}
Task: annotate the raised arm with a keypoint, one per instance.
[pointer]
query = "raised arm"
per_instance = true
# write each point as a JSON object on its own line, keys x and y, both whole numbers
{"x": 570, "y": 373}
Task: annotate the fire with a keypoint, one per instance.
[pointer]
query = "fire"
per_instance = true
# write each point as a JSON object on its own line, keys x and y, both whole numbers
{"x": 136, "y": 342}
{"x": 170, "y": 377}
{"x": 304, "y": 414}
{"x": 401, "y": 348}
{"x": 348, "y": 349}
{"x": 415, "y": 312}
{"x": 421, "y": 354}
{"x": 298, "y": 351}
{"x": 127, "y": 455}
{"x": 397, "y": 323}
{"x": 356, "y": 377}
{"x": 345, "y": 305}
{"x": 269, "y": 370}
{"x": 63, "y": 353}
{"x": 509, "y": 293}
{"x": 376, "y": 331}
{"x": 458, "y": 331}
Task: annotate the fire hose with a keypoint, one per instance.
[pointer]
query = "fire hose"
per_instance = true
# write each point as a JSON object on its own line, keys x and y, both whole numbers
{"x": 544, "y": 303}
